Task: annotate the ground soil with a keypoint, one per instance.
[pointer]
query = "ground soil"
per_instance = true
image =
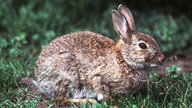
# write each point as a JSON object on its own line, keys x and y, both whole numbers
{"x": 184, "y": 62}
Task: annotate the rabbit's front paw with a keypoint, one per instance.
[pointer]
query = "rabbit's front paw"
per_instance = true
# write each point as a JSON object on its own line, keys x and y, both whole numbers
{"x": 99, "y": 97}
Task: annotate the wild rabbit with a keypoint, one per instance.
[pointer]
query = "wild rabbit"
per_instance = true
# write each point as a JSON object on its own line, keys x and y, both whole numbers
{"x": 89, "y": 65}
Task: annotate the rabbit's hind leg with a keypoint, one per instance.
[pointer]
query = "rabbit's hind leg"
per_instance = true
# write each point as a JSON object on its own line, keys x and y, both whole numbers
{"x": 89, "y": 94}
{"x": 79, "y": 101}
{"x": 79, "y": 96}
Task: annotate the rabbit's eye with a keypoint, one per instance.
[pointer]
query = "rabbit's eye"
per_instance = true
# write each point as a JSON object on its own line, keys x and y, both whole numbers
{"x": 142, "y": 45}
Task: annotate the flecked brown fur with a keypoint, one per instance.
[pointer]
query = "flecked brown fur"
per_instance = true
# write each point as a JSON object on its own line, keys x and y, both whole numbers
{"x": 90, "y": 65}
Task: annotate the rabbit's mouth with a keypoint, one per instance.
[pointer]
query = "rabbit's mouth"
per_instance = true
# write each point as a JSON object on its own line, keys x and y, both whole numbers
{"x": 141, "y": 65}
{"x": 137, "y": 65}
{"x": 154, "y": 65}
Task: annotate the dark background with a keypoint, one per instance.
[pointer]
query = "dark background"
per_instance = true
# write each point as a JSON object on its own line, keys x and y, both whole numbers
{"x": 33, "y": 24}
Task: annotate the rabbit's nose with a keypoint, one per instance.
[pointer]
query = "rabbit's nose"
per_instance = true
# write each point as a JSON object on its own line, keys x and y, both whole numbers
{"x": 161, "y": 57}
{"x": 161, "y": 60}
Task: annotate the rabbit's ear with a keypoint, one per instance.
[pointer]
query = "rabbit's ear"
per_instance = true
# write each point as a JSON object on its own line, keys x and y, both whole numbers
{"x": 120, "y": 25}
{"x": 128, "y": 16}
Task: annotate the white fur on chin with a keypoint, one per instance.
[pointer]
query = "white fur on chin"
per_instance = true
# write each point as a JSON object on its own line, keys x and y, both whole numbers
{"x": 137, "y": 65}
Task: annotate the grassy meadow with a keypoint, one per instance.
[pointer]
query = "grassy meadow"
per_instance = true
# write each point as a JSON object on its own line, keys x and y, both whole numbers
{"x": 28, "y": 26}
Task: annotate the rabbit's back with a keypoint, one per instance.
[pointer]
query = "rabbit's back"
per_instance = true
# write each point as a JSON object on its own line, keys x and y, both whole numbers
{"x": 83, "y": 44}
{"x": 82, "y": 60}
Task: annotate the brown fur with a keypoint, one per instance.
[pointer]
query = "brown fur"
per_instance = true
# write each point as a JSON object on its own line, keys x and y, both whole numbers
{"x": 87, "y": 64}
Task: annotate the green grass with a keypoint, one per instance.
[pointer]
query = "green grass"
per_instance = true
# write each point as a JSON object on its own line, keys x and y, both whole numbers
{"x": 171, "y": 90}
{"x": 36, "y": 23}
